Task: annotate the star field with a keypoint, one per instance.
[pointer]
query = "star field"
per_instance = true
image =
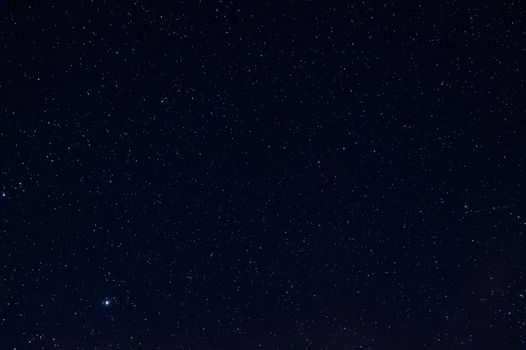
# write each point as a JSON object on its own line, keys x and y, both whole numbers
{"x": 262, "y": 175}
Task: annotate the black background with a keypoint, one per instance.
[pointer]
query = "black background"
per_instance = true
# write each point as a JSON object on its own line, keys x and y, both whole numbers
{"x": 275, "y": 175}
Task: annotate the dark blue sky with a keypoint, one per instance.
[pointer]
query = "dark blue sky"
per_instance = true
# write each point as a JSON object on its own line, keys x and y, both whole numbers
{"x": 262, "y": 175}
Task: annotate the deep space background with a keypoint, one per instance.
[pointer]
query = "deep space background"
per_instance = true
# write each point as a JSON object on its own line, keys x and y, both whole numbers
{"x": 262, "y": 175}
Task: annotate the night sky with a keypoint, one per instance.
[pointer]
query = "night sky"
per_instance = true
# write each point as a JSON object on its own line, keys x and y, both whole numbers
{"x": 262, "y": 175}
